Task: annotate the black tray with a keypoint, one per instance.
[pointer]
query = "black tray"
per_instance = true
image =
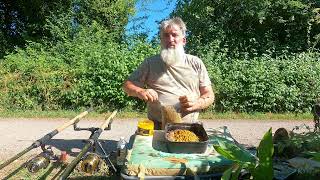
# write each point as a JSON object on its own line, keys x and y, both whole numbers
{"x": 187, "y": 147}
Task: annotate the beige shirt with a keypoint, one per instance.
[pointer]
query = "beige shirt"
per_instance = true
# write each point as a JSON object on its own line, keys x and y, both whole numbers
{"x": 171, "y": 82}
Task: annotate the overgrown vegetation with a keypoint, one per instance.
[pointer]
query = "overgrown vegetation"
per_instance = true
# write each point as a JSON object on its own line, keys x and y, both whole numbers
{"x": 265, "y": 84}
{"x": 262, "y": 56}
{"x": 301, "y": 140}
{"x": 284, "y": 146}
{"x": 251, "y": 28}
{"x": 259, "y": 167}
{"x": 83, "y": 64}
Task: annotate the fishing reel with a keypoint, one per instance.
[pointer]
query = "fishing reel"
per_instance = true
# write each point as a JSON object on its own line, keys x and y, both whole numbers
{"x": 91, "y": 163}
{"x": 41, "y": 161}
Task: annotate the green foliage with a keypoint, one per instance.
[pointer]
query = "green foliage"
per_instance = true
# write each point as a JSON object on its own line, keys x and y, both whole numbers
{"x": 23, "y": 21}
{"x": 80, "y": 57}
{"x": 83, "y": 63}
{"x": 302, "y": 140}
{"x": 112, "y": 15}
{"x": 261, "y": 55}
{"x": 231, "y": 151}
{"x": 265, "y": 84}
{"x": 260, "y": 167}
{"x": 72, "y": 75}
{"x": 99, "y": 71}
{"x": 315, "y": 155}
{"x": 253, "y": 28}
{"x": 32, "y": 75}
{"x": 264, "y": 169}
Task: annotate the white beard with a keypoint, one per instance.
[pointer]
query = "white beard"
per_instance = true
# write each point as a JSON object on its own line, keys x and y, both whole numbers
{"x": 172, "y": 56}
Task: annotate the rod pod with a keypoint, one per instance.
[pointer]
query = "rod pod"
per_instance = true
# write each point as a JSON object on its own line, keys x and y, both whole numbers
{"x": 91, "y": 141}
{"x": 45, "y": 138}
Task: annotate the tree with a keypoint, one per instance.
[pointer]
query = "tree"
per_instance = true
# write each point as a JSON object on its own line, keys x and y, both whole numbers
{"x": 251, "y": 27}
{"x": 23, "y": 21}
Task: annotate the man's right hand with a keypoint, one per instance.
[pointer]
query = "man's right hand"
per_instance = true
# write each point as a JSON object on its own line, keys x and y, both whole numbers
{"x": 147, "y": 95}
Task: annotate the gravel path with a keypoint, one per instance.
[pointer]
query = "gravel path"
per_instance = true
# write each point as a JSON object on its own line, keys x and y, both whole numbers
{"x": 17, "y": 134}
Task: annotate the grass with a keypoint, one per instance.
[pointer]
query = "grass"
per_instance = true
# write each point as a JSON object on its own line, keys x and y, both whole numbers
{"x": 128, "y": 114}
{"x": 257, "y": 116}
{"x": 64, "y": 114}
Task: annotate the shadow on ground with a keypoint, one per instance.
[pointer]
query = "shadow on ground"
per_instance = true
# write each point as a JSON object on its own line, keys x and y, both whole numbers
{"x": 56, "y": 168}
{"x": 73, "y": 147}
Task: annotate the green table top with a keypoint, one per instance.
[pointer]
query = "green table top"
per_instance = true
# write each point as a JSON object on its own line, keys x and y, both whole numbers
{"x": 149, "y": 154}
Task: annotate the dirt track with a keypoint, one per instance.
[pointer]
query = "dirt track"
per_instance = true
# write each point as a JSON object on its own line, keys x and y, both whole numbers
{"x": 17, "y": 134}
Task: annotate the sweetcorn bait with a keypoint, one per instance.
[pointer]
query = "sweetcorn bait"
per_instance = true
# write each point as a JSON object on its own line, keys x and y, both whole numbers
{"x": 182, "y": 135}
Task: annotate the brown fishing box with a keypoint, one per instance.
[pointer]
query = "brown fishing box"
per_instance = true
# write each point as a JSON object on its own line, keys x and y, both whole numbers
{"x": 187, "y": 147}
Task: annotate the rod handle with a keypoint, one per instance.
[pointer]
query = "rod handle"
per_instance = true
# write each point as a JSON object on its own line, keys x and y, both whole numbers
{"x": 72, "y": 121}
{"x": 105, "y": 124}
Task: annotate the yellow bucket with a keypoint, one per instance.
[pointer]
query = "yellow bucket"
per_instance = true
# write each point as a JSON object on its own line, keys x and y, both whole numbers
{"x": 145, "y": 127}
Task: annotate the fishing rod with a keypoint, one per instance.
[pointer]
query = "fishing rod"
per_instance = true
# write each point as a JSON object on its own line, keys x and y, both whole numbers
{"x": 41, "y": 141}
{"x": 91, "y": 161}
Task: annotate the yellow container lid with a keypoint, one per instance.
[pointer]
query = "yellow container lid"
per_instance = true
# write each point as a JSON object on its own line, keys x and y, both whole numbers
{"x": 145, "y": 127}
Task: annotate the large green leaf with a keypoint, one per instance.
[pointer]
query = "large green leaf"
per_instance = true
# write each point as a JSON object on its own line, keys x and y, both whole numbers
{"x": 315, "y": 155}
{"x": 234, "y": 152}
{"x": 264, "y": 170}
{"x": 232, "y": 173}
{"x": 227, "y": 174}
{"x": 236, "y": 171}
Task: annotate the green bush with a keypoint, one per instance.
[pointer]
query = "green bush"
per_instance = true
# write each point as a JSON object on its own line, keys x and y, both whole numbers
{"x": 86, "y": 71}
{"x": 98, "y": 72}
{"x": 265, "y": 84}
{"x": 253, "y": 28}
{"x": 257, "y": 55}
{"x": 82, "y": 62}
{"x": 32, "y": 79}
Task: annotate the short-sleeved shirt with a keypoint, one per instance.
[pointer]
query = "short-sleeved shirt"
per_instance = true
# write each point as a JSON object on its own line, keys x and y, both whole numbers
{"x": 171, "y": 82}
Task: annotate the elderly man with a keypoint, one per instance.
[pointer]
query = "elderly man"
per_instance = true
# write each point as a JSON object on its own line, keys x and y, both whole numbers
{"x": 172, "y": 77}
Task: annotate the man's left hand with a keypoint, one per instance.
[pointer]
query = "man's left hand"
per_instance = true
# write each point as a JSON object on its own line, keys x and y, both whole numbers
{"x": 188, "y": 103}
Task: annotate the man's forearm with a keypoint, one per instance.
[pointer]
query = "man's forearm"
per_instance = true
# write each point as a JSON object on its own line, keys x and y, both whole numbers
{"x": 205, "y": 101}
{"x": 131, "y": 89}
{"x": 144, "y": 94}
{"x": 206, "y": 97}
{"x": 190, "y": 103}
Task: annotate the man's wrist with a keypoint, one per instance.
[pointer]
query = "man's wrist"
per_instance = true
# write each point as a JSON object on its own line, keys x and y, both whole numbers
{"x": 204, "y": 102}
{"x": 137, "y": 91}
{"x": 201, "y": 102}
